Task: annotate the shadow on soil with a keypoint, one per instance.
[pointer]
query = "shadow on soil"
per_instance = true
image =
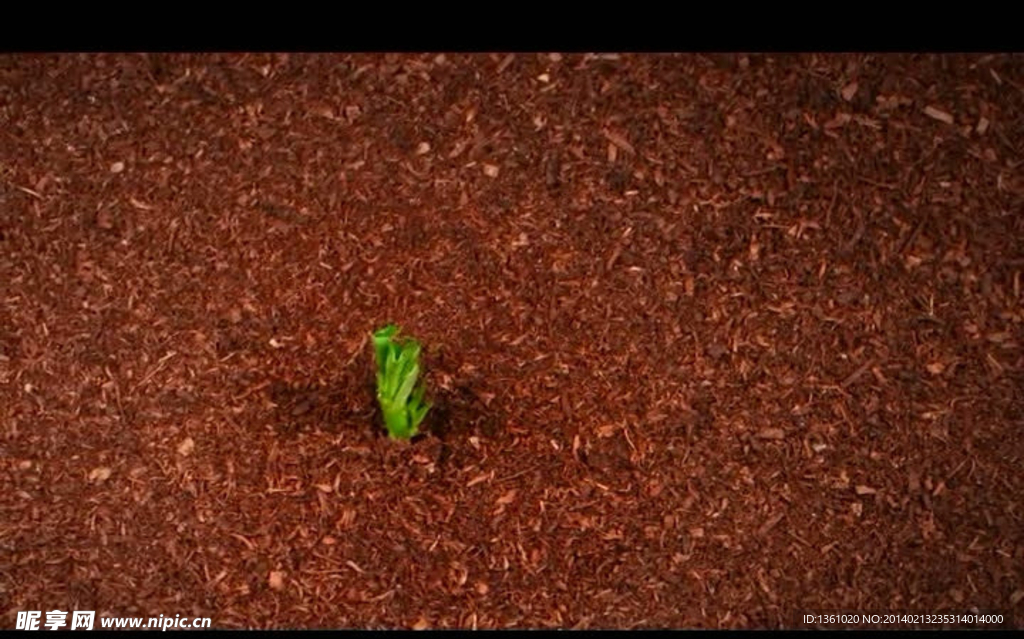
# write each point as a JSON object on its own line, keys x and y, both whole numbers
{"x": 455, "y": 415}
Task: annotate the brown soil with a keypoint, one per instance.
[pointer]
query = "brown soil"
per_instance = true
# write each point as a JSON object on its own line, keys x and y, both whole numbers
{"x": 714, "y": 339}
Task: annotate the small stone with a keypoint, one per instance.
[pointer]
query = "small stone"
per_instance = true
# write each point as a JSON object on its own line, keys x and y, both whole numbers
{"x": 186, "y": 447}
{"x": 276, "y": 580}
{"x": 491, "y": 170}
{"x": 100, "y": 475}
{"x": 117, "y": 167}
{"x": 104, "y": 220}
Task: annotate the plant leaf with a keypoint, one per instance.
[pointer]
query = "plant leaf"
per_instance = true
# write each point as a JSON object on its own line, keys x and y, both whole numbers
{"x": 398, "y": 370}
{"x": 410, "y": 373}
{"x": 382, "y": 342}
{"x": 397, "y": 421}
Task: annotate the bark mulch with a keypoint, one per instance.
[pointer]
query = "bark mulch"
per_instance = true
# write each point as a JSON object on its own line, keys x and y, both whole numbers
{"x": 713, "y": 339}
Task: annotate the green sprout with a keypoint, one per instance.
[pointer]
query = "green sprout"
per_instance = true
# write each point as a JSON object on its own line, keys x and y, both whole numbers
{"x": 398, "y": 368}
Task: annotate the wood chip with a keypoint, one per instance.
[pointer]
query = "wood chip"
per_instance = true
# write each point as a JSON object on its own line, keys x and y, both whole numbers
{"x": 771, "y": 433}
{"x": 620, "y": 141}
{"x": 771, "y": 523}
{"x": 865, "y": 490}
{"x": 480, "y": 478}
{"x": 245, "y": 541}
{"x": 142, "y": 206}
{"x": 491, "y": 170}
{"x": 840, "y": 120}
{"x": 849, "y": 91}
{"x": 354, "y": 566}
{"x": 855, "y": 375}
{"x": 458, "y": 149}
{"x": 505, "y": 62}
{"x": 938, "y": 114}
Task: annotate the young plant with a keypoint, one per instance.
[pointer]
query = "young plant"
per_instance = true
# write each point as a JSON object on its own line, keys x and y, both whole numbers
{"x": 398, "y": 368}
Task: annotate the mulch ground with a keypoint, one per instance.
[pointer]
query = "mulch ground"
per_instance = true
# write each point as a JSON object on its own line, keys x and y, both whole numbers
{"x": 712, "y": 339}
